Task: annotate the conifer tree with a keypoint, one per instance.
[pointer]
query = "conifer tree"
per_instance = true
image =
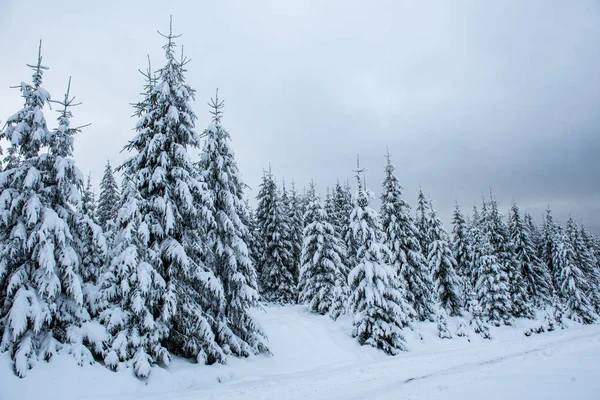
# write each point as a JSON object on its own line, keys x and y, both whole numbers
{"x": 340, "y": 219}
{"x": 261, "y": 218}
{"x": 400, "y": 236}
{"x": 252, "y": 238}
{"x": 442, "y": 324}
{"x": 108, "y": 201}
{"x": 497, "y": 232}
{"x": 88, "y": 199}
{"x": 491, "y": 285}
{"x": 91, "y": 246}
{"x": 322, "y": 270}
{"x": 533, "y": 271}
{"x": 229, "y": 259}
{"x": 130, "y": 292}
{"x": 421, "y": 221}
{"x": 572, "y": 286}
{"x": 43, "y": 306}
{"x": 535, "y": 236}
{"x": 549, "y": 233}
{"x": 176, "y": 213}
{"x": 592, "y": 263}
{"x": 348, "y": 237}
{"x": 287, "y": 221}
{"x": 460, "y": 243}
{"x": 276, "y": 280}
{"x": 442, "y": 265}
{"x": 380, "y": 311}
{"x": 296, "y": 220}
{"x": 584, "y": 260}
{"x": 473, "y": 252}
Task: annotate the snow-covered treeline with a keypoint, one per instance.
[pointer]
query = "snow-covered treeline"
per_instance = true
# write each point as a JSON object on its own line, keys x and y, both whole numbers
{"x": 171, "y": 263}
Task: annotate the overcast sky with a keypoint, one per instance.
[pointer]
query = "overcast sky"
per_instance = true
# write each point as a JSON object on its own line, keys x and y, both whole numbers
{"x": 466, "y": 95}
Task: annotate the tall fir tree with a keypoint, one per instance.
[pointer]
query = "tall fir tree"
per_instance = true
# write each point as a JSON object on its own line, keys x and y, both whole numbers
{"x": 296, "y": 220}
{"x": 533, "y": 271}
{"x": 460, "y": 249}
{"x": 492, "y": 287}
{"x": 459, "y": 240}
{"x": 495, "y": 228}
{"x": 91, "y": 246}
{"x": 252, "y": 238}
{"x": 276, "y": 279}
{"x": 176, "y": 212}
{"x": 108, "y": 200}
{"x": 572, "y": 286}
{"x": 534, "y": 235}
{"x": 340, "y": 219}
{"x": 421, "y": 221}
{"x": 588, "y": 244}
{"x": 380, "y": 310}
{"x": 400, "y": 237}
{"x": 264, "y": 198}
{"x": 130, "y": 292}
{"x": 473, "y": 240}
{"x": 287, "y": 221}
{"x": 585, "y": 261}
{"x": 229, "y": 258}
{"x": 43, "y": 306}
{"x": 322, "y": 283}
{"x": 442, "y": 265}
{"x": 549, "y": 232}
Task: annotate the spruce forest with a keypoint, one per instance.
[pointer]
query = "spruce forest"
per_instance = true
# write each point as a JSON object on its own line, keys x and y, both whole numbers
{"x": 173, "y": 258}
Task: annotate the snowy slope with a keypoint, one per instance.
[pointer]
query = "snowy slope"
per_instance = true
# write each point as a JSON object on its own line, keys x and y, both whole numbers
{"x": 316, "y": 358}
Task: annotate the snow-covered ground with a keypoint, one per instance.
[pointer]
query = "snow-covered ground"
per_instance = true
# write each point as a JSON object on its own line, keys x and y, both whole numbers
{"x": 315, "y": 358}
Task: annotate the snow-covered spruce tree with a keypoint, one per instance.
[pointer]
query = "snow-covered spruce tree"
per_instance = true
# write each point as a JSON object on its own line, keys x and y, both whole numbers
{"x": 442, "y": 265}
{"x": 229, "y": 259}
{"x": 263, "y": 210}
{"x": 442, "y": 324}
{"x": 321, "y": 274}
{"x": 497, "y": 232}
{"x": 252, "y": 237}
{"x": 108, "y": 200}
{"x": 533, "y": 271}
{"x": 472, "y": 236}
{"x": 572, "y": 286}
{"x": 549, "y": 232}
{"x": 176, "y": 213}
{"x": 460, "y": 249}
{"x": 585, "y": 260}
{"x": 400, "y": 237}
{"x": 477, "y": 320}
{"x": 380, "y": 311}
{"x": 348, "y": 237}
{"x": 43, "y": 307}
{"x": 296, "y": 220}
{"x": 593, "y": 268}
{"x": 288, "y": 234}
{"x": 88, "y": 199}
{"x": 491, "y": 288}
{"x": 340, "y": 219}
{"x": 91, "y": 246}
{"x": 130, "y": 292}
{"x": 421, "y": 222}
{"x": 276, "y": 280}
{"x": 534, "y": 235}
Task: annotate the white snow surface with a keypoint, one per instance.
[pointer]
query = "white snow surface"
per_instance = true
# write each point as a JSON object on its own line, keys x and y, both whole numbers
{"x": 316, "y": 358}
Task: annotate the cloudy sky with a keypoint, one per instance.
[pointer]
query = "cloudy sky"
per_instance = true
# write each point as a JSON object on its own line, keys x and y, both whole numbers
{"x": 467, "y": 95}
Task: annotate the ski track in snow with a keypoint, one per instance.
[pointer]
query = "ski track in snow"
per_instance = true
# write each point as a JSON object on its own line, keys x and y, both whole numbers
{"x": 315, "y": 358}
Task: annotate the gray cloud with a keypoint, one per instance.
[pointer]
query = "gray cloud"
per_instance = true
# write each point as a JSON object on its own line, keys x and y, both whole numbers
{"x": 466, "y": 95}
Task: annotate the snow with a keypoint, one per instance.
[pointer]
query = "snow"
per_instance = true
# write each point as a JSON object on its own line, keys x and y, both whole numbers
{"x": 314, "y": 357}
